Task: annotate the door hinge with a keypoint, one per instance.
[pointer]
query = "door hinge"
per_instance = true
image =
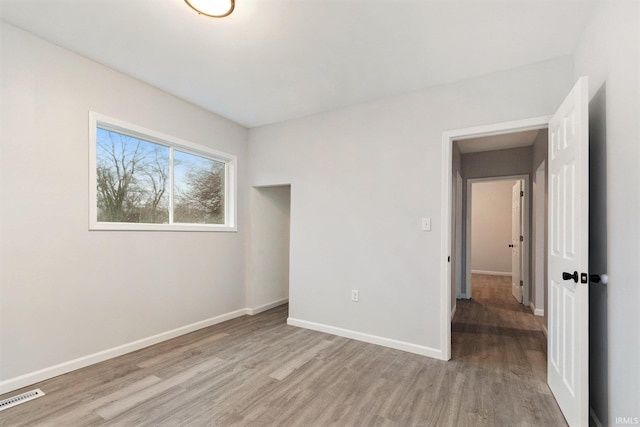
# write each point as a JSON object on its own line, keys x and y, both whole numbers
{"x": 521, "y": 283}
{"x": 522, "y": 238}
{"x": 521, "y": 193}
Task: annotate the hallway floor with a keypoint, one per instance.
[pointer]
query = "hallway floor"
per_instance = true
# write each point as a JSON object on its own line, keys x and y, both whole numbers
{"x": 502, "y": 344}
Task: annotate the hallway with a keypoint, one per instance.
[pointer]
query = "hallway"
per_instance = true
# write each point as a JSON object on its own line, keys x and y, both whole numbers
{"x": 502, "y": 344}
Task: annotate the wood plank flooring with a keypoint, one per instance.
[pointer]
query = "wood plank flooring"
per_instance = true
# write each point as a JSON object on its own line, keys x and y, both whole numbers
{"x": 257, "y": 371}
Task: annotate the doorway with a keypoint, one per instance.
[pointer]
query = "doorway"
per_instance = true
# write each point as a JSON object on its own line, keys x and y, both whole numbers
{"x": 568, "y": 249}
{"x": 268, "y": 284}
{"x": 497, "y": 215}
{"x": 451, "y": 165}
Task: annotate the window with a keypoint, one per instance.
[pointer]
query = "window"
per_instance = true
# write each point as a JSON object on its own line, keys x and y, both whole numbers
{"x": 142, "y": 180}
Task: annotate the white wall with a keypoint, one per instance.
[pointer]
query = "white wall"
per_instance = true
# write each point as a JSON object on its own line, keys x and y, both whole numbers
{"x": 457, "y": 229}
{"x": 270, "y": 218}
{"x": 609, "y": 54}
{"x": 491, "y": 226}
{"x": 66, "y": 292}
{"x": 363, "y": 178}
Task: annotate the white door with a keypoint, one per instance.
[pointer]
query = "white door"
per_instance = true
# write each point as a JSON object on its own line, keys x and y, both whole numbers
{"x": 568, "y": 349}
{"x": 516, "y": 232}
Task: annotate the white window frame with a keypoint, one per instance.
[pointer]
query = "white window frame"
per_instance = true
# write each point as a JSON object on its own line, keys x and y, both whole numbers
{"x": 104, "y": 122}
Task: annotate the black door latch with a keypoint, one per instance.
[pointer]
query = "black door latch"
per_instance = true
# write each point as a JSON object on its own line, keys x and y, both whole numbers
{"x": 584, "y": 277}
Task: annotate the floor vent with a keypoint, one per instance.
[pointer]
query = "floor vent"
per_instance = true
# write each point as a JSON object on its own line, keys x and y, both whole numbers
{"x": 21, "y": 398}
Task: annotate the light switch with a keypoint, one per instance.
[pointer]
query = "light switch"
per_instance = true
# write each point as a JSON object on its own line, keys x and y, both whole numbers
{"x": 426, "y": 224}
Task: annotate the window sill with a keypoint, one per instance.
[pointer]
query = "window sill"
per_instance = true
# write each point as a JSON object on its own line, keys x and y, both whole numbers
{"x": 124, "y": 226}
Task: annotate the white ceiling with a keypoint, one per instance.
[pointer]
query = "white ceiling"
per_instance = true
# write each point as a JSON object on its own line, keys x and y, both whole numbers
{"x": 498, "y": 142}
{"x": 273, "y": 60}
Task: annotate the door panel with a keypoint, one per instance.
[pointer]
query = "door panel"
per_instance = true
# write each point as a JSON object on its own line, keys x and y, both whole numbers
{"x": 568, "y": 356}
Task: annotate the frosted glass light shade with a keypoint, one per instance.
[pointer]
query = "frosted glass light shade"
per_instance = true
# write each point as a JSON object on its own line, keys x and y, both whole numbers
{"x": 212, "y": 8}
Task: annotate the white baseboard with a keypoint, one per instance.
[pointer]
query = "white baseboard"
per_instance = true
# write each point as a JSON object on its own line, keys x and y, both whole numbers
{"x": 372, "y": 339}
{"x": 536, "y": 311}
{"x": 65, "y": 367}
{"x": 492, "y": 273}
{"x": 594, "y": 417}
{"x": 265, "y": 307}
{"x": 453, "y": 310}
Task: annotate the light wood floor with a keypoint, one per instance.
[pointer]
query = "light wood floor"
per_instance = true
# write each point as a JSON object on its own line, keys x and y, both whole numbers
{"x": 257, "y": 371}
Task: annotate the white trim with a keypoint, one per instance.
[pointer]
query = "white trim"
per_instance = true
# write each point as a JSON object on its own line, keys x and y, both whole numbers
{"x": 594, "y": 417}
{"x": 265, "y": 307}
{"x": 536, "y": 311}
{"x": 445, "y": 240}
{"x": 231, "y": 185}
{"x": 491, "y": 273}
{"x": 453, "y": 310}
{"x": 71, "y": 365}
{"x": 445, "y": 246}
{"x": 372, "y": 339}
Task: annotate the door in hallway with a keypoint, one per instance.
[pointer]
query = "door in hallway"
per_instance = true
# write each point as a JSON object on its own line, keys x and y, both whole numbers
{"x": 516, "y": 241}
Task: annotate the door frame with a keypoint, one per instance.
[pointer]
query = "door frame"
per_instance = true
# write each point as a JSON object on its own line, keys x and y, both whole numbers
{"x": 525, "y": 254}
{"x": 446, "y": 203}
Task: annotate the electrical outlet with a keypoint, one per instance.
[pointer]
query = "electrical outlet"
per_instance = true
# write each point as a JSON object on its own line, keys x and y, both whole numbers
{"x": 426, "y": 224}
{"x": 355, "y": 297}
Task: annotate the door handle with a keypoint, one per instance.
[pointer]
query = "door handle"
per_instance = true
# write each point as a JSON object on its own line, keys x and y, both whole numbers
{"x": 569, "y": 276}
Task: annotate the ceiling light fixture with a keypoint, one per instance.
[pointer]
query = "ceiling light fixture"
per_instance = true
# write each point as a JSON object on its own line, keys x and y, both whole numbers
{"x": 212, "y": 8}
